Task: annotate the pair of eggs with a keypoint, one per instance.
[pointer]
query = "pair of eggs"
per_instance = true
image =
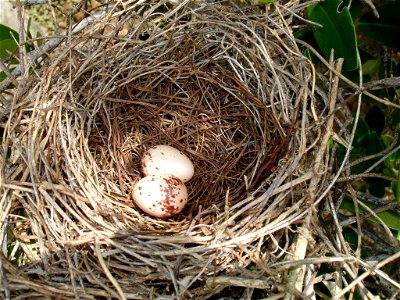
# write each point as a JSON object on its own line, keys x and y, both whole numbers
{"x": 162, "y": 192}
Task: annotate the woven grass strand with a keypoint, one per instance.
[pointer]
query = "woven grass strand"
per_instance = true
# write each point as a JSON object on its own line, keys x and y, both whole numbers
{"x": 226, "y": 85}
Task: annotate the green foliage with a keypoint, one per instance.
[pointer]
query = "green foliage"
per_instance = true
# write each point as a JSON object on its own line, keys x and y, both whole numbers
{"x": 392, "y": 167}
{"x": 366, "y": 142}
{"x": 372, "y": 137}
{"x": 8, "y": 47}
{"x": 7, "y": 33}
{"x": 371, "y": 67}
{"x": 339, "y": 25}
{"x": 337, "y": 31}
{"x": 386, "y": 28}
{"x": 377, "y": 125}
{"x": 391, "y": 219}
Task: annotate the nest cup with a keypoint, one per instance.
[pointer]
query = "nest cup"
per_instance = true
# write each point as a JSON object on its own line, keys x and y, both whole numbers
{"x": 225, "y": 85}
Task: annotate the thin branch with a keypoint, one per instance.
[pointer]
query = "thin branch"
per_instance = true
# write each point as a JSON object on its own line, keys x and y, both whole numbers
{"x": 386, "y": 207}
{"x": 106, "y": 270}
{"x": 385, "y": 83}
{"x": 28, "y": 3}
{"x": 367, "y": 273}
{"x": 359, "y": 90}
{"x": 378, "y": 201}
{"x": 365, "y": 175}
{"x": 385, "y": 153}
{"x": 352, "y": 135}
{"x": 33, "y": 56}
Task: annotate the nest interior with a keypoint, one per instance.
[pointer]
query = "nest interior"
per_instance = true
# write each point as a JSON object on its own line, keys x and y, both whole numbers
{"x": 227, "y": 86}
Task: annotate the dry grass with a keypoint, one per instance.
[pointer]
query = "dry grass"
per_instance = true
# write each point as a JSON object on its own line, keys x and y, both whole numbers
{"x": 226, "y": 85}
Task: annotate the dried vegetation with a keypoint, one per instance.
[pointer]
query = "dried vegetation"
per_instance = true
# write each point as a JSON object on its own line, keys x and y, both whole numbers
{"x": 226, "y": 85}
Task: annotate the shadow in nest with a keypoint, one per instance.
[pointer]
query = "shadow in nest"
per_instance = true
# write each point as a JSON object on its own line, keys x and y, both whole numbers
{"x": 192, "y": 101}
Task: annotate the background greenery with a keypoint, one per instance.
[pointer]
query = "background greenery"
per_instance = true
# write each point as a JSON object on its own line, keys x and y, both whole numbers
{"x": 353, "y": 29}
{"x": 368, "y": 38}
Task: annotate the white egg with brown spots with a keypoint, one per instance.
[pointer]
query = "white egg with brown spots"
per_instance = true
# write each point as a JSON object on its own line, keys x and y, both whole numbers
{"x": 163, "y": 159}
{"x": 160, "y": 195}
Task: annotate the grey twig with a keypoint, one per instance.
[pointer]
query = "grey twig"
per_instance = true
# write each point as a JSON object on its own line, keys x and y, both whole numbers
{"x": 47, "y": 47}
{"x": 383, "y": 83}
{"x": 376, "y": 201}
{"x": 386, "y": 207}
{"x": 30, "y": 3}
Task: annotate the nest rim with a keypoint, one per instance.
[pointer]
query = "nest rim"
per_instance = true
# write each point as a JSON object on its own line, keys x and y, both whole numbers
{"x": 91, "y": 187}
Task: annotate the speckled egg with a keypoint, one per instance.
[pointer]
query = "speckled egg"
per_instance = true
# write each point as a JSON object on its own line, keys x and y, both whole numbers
{"x": 163, "y": 159}
{"x": 160, "y": 195}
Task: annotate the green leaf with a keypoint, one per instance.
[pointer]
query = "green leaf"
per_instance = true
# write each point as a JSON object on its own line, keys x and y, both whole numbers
{"x": 386, "y": 29}
{"x": 356, "y": 8}
{"x": 391, "y": 219}
{"x": 2, "y": 77}
{"x": 387, "y": 140}
{"x": 371, "y": 67}
{"x": 7, "y": 47}
{"x": 372, "y": 143}
{"x": 361, "y": 131}
{"x": 266, "y": 1}
{"x": 7, "y": 33}
{"x": 388, "y": 171}
{"x": 337, "y": 32}
{"x": 39, "y": 41}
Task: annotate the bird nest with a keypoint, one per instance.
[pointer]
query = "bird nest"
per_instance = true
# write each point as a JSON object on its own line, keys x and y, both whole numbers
{"x": 227, "y": 86}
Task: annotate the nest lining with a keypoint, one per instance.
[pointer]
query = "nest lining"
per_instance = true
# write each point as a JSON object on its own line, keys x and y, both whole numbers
{"x": 228, "y": 87}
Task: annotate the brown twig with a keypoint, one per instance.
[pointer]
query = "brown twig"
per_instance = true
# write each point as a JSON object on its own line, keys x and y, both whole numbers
{"x": 226, "y": 85}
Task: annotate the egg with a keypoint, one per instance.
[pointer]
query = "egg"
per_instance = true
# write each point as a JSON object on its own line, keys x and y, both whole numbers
{"x": 163, "y": 159}
{"x": 160, "y": 195}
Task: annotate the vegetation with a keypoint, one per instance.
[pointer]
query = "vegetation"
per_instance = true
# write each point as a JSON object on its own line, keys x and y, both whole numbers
{"x": 367, "y": 38}
{"x": 369, "y": 46}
